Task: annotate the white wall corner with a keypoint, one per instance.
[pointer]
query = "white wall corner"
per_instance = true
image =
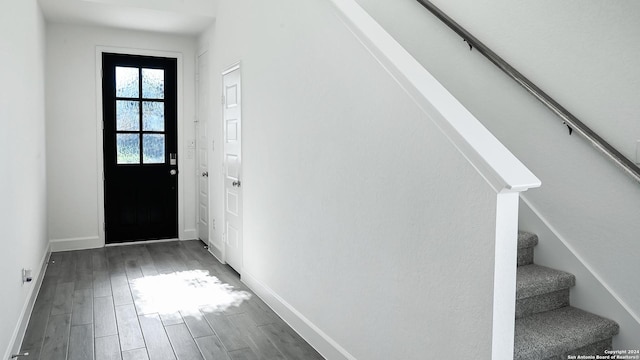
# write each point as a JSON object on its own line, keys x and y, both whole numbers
{"x": 27, "y": 309}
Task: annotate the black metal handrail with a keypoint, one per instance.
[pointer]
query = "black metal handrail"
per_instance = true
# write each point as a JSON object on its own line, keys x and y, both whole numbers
{"x": 569, "y": 119}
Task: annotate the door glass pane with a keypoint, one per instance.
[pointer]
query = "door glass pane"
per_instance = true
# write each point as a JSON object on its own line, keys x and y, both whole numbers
{"x": 127, "y": 82}
{"x": 127, "y": 115}
{"x": 152, "y": 116}
{"x": 153, "y": 83}
{"x": 128, "y": 148}
{"x": 153, "y": 148}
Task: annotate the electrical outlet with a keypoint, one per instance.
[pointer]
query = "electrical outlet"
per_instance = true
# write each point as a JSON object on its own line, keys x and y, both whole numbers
{"x": 26, "y": 276}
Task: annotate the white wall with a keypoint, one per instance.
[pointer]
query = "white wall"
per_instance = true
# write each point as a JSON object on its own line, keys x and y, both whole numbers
{"x": 362, "y": 222}
{"x": 73, "y": 138}
{"x": 581, "y": 53}
{"x": 23, "y": 222}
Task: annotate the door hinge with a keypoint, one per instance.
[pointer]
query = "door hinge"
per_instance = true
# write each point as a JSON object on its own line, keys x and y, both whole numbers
{"x": 222, "y": 100}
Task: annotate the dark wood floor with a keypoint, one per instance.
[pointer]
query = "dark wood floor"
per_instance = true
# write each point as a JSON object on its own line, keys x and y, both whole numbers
{"x": 168, "y": 300}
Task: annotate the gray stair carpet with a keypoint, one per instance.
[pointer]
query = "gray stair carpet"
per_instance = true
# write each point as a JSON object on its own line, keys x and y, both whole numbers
{"x": 547, "y": 328}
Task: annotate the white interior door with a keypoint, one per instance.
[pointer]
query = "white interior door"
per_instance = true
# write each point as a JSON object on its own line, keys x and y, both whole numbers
{"x": 232, "y": 167}
{"x": 203, "y": 146}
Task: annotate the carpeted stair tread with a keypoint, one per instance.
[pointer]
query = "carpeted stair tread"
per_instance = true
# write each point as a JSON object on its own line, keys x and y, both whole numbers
{"x": 533, "y": 280}
{"x": 527, "y": 240}
{"x": 553, "y": 333}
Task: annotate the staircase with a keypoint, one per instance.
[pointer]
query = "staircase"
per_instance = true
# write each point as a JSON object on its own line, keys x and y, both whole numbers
{"x": 547, "y": 327}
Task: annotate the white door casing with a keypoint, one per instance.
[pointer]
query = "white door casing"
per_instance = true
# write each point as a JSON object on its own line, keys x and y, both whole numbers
{"x": 202, "y": 147}
{"x": 231, "y": 117}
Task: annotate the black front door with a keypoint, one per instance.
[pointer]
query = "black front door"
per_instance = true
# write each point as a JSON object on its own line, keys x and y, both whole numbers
{"x": 139, "y": 100}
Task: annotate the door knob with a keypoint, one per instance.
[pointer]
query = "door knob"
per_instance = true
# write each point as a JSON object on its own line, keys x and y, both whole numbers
{"x": 173, "y": 171}
{"x": 205, "y": 174}
{"x": 236, "y": 183}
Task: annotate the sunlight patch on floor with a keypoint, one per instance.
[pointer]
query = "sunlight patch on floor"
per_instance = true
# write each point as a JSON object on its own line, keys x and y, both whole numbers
{"x": 184, "y": 291}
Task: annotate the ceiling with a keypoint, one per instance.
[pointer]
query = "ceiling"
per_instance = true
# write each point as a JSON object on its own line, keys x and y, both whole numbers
{"x": 187, "y": 17}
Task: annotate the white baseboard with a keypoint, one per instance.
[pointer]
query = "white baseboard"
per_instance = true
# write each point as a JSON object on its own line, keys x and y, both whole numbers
{"x": 324, "y": 344}
{"x": 217, "y": 251}
{"x": 189, "y": 234}
{"x": 27, "y": 309}
{"x": 75, "y": 243}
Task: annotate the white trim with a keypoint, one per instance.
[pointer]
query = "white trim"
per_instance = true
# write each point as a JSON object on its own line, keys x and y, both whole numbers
{"x": 231, "y": 68}
{"x": 180, "y": 128}
{"x": 504, "y": 278}
{"x": 79, "y": 243}
{"x": 216, "y": 252}
{"x": 141, "y": 242}
{"x": 323, "y": 343}
{"x": 499, "y": 167}
{"x": 223, "y": 252}
{"x": 25, "y": 315}
{"x": 189, "y": 234}
{"x": 584, "y": 263}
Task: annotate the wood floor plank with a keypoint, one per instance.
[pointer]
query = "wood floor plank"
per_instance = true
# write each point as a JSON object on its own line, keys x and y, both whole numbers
{"x": 99, "y": 259}
{"x": 243, "y": 354}
{"x": 146, "y": 263}
{"x": 128, "y": 328}
{"x": 257, "y": 340}
{"x": 132, "y": 269}
{"x": 84, "y": 261}
{"x": 211, "y": 348}
{"x": 121, "y": 291}
{"x": 197, "y": 324}
{"x": 101, "y": 283}
{"x": 81, "y": 342}
{"x": 171, "y": 318}
{"x": 63, "y": 298}
{"x": 289, "y": 343}
{"x": 84, "y": 281}
{"x": 160, "y": 260}
{"x": 82, "y": 309}
{"x": 182, "y": 342}
{"x": 108, "y": 348}
{"x": 56, "y": 337}
{"x": 104, "y": 316}
{"x": 231, "y": 338}
{"x": 115, "y": 261}
{"x": 68, "y": 269}
{"x": 158, "y": 345}
{"x": 137, "y": 354}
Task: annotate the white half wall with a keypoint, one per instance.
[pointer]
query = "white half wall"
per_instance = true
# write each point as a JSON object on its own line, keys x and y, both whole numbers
{"x": 580, "y": 53}
{"x": 365, "y": 227}
{"x": 74, "y": 138}
{"x": 23, "y": 191}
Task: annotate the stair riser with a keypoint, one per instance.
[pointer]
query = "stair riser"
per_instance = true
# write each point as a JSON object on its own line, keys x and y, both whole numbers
{"x": 525, "y": 256}
{"x": 596, "y": 348}
{"x": 542, "y": 303}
